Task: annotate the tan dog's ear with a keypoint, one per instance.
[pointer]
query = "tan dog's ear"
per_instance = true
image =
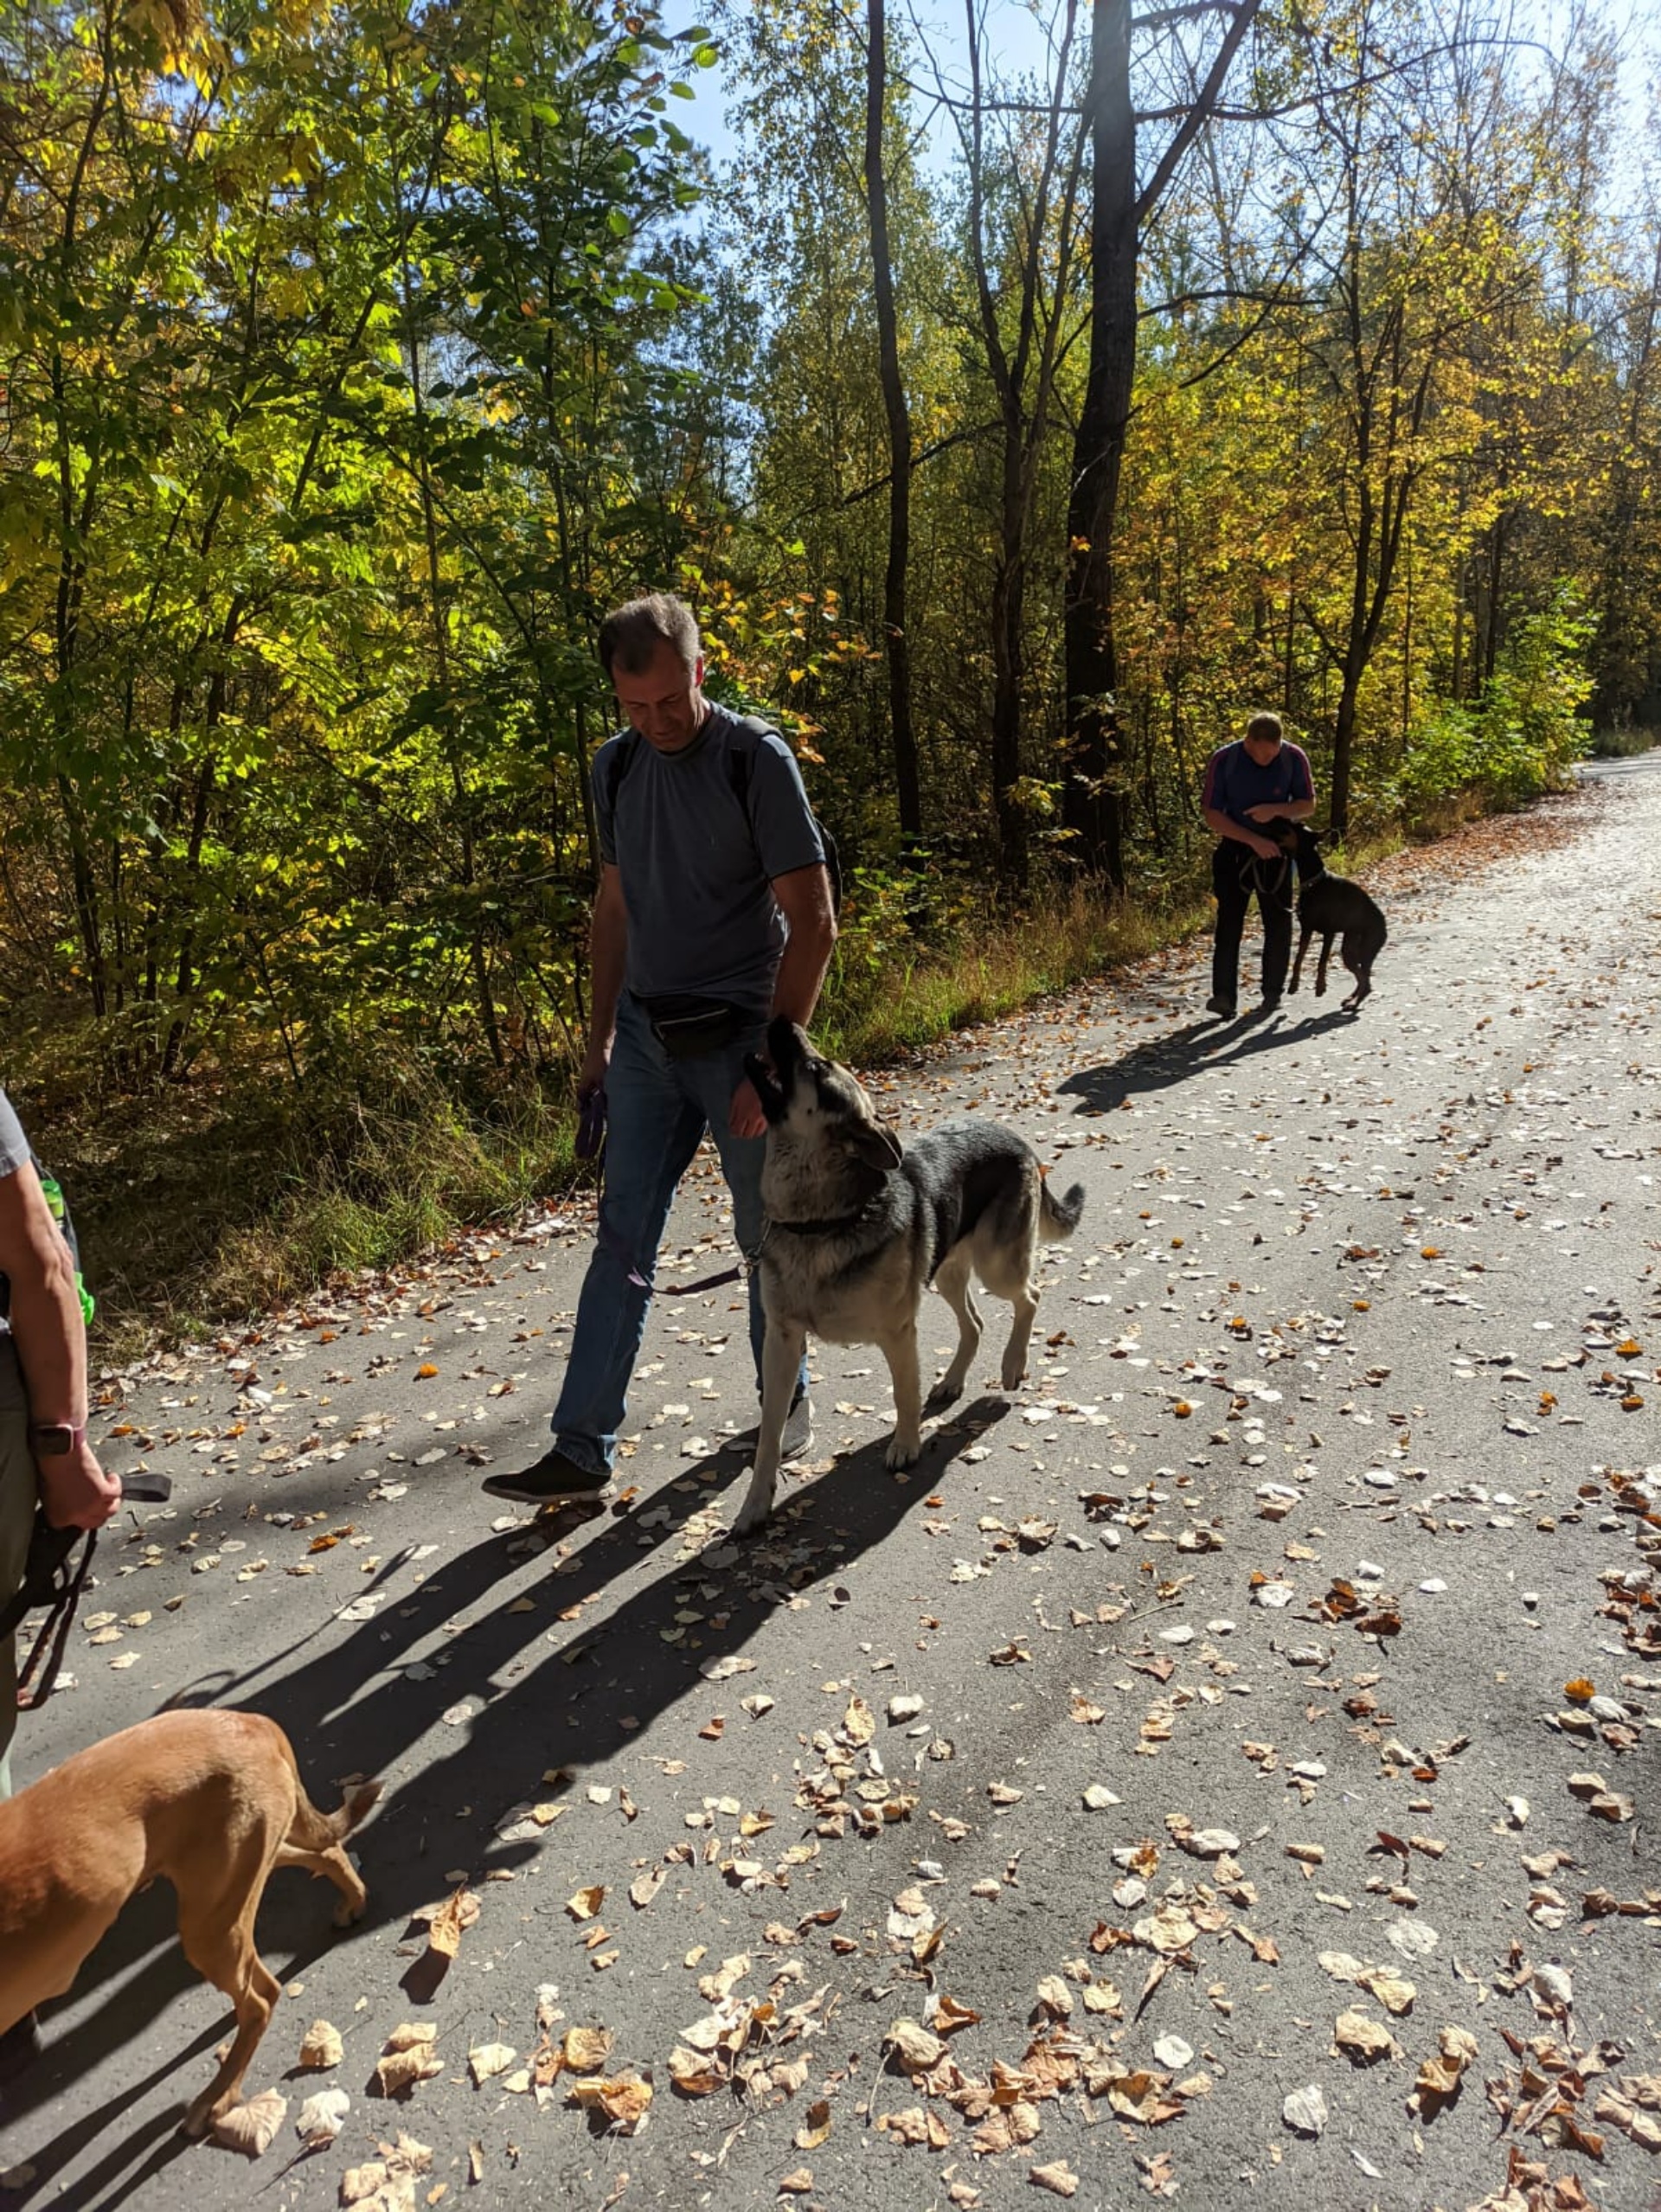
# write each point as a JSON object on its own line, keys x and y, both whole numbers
{"x": 877, "y": 1146}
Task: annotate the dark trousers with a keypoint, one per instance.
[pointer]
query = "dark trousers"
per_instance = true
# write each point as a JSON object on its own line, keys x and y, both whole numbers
{"x": 1236, "y": 875}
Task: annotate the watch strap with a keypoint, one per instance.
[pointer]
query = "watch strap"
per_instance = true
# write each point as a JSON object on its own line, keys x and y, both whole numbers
{"x": 56, "y": 1438}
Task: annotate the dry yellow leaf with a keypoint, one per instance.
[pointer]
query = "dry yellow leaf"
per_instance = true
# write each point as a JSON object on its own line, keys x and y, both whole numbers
{"x": 252, "y": 2127}
{"x": 451, "y": 1920}
{"x": 586, "y": 2049}
{"x": 624, "y": 2098}
{"x": 321, "y": 2046}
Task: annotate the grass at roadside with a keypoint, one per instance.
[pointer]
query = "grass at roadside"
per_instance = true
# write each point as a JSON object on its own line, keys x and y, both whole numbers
{"x": 199, "y": 1205}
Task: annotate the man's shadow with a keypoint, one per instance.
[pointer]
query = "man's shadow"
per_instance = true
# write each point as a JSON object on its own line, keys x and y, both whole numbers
{"x": 1162, "y": 1062}
{"x": 547, "y": 1706}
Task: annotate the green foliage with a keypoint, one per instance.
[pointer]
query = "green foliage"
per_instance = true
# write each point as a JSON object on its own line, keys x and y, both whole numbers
{"x": 1520, "y": 740}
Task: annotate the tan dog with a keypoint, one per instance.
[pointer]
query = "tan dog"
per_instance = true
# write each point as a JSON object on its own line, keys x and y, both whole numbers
{"x": 213, "y": 1801}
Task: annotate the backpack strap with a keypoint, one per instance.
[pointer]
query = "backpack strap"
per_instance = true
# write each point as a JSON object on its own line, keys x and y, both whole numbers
{"x": 738, "y": 775}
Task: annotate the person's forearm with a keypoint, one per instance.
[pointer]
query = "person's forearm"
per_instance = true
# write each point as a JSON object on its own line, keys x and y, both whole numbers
{"x": 607, "y": 953}
{"x": 47, "y": 1327}
{"x": 801, "y": 971}
{"x": 1224, "y": 825}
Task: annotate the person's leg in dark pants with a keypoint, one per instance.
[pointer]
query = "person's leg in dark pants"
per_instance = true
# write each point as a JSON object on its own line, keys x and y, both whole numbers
{"x": 1274, "y": 903}
{"x": 653, "y": 1132}
{"x": 1232, "y": 901}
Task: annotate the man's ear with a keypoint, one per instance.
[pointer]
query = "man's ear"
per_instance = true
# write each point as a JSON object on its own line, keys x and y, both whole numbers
{"x": 875, "y": 1146}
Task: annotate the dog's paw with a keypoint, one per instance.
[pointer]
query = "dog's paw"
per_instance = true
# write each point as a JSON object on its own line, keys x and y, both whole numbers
{"x": 902, "y": 1451}
{"x": 946, "y": 1393}
{"x": 349, "y": 1912}
{"x": 200, "y": 2116}
{"x": 1012, "y": 1377}
{"x": 753, "y": 1513}
{"x": 1320, "y": 990}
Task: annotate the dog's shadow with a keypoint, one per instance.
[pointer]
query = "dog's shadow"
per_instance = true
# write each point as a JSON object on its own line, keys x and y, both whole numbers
{"x": 1164, "y": 1061}
{"x": 547, "y": 1707}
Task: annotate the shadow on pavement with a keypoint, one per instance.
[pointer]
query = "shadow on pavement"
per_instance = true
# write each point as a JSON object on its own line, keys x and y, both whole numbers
{"x": 1165, "y": 1061}
{"x": 558, "y": 1695}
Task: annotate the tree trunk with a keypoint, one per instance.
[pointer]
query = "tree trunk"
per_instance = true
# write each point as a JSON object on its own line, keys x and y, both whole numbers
{"x": 1092, "y": 804}
{"x": 901, "y": 732}
{"x": 1007, "y": 610}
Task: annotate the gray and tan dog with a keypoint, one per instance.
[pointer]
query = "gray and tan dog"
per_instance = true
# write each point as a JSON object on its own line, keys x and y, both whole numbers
{"x": 859, "y": 1227}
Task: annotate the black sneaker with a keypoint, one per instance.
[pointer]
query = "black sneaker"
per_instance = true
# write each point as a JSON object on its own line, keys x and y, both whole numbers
{"x": 552, "y": 1480}
{"x": 1225, "y": 1007}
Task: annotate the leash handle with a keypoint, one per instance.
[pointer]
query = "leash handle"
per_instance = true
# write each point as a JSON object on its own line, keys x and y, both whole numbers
{"x": 54, "y": 1632}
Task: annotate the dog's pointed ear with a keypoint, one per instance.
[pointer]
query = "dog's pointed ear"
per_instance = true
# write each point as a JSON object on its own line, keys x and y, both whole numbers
{"x": 876, "y": 1145}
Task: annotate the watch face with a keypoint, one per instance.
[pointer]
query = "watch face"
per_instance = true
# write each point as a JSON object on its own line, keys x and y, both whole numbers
{"x": 52, "y": 1442}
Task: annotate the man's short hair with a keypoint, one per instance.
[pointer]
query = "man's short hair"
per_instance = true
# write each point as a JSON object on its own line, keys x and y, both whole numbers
{"x": 630, "y": 634}
{"x": 1266, "y": 728}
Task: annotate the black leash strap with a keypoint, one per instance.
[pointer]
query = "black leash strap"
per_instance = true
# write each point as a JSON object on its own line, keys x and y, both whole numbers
{"x": 54, "y": 1638}
{"x": 53, "y": 1579}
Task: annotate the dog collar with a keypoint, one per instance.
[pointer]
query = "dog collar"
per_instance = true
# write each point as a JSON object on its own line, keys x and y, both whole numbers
{"x": 819, "y": 1229}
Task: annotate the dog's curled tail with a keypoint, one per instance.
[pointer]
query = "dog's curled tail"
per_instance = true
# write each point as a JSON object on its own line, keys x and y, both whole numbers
{"x": 1059, "y": 1218}
{"x": 313, "y": 1830}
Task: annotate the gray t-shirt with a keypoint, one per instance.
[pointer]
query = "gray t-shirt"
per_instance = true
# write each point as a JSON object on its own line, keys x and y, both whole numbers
{"x": 698, "y": 837}
{"x": 14, "y": 1150}
{"x": 14, "y": 1145}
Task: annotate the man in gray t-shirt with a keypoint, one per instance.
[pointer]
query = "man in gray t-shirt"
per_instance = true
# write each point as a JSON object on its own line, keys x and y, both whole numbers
{"x": 713, "y": 915}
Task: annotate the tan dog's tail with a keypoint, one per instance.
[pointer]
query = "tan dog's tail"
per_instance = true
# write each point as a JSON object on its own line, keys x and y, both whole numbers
{"x": 316, "y": 1831}
{"x": 312, "y": 1831}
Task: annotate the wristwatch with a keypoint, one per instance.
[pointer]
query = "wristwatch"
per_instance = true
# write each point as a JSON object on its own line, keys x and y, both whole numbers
{"x": 56, "y": 1439}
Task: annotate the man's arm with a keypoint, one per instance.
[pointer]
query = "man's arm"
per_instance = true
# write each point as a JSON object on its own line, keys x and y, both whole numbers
{"x": 804, "y": 898}
{"x": 1224, "y": 825}
{"x": 1283, "y": 810}
{"x": 609, "y": 945}
{"x": 51, "y": 1340}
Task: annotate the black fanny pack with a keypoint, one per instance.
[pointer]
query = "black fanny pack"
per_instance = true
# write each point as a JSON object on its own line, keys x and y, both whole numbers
{"x": 688, "y": 1027}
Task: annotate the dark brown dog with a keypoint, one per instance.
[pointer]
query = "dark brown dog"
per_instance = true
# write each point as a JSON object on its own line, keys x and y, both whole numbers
{"x": 1330, "y": 907}
{"x": 213, "y": 1801}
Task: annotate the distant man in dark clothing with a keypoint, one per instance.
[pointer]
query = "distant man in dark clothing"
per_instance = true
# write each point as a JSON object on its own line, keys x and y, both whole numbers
{"x": 1259, "y": 780}
{"x": 713, "y": 915}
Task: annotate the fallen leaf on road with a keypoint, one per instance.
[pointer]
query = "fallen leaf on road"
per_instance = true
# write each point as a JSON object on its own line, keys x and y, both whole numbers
{"x": 252, "y": 2127}
{"x": 321, "y": 2117}
{"x": 1361, "y": 2039}
{"x": 488, "y": 2060}
{"x": 408, "y": 2056}
{"x": 585, "y": 2050}
{"x": 1006, "y": 2129}
{"x": 1440, "y": 2076}
{"x": 1305, "y": 2111}
{"x": 816, "y": 2125}
{"x": 695, "y": 2075}
{"x": 451, "y": 1920}
{"x": 915, "y": 2047}
{"x": 1058, "y": 2179}
{"x": 585, "y": 1903}
{"x": 321, "y": 2046}
{"x": 624, "y": 2099}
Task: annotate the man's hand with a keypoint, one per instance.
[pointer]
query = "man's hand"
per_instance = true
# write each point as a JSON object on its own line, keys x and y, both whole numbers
{"x": 1265, "y": 847}
{"x": 1270, "y": 812}
{"x": 75, "y": 1490}
{"x": 745, "y": 1117}
{"x": 591, "y": 1076}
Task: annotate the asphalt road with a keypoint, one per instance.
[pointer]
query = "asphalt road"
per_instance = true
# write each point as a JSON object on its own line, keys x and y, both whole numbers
{"x": 1363, "y": 1315}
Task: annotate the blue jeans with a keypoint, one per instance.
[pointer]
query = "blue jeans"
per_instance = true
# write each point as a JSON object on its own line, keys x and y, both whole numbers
{"x": 658, "y": 1111}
